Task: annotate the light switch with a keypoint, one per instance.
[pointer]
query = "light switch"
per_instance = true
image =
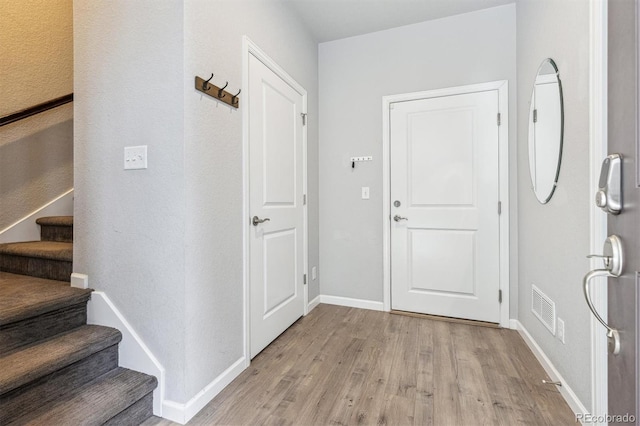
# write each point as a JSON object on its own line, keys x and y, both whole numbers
{"x": 365, "y": 192}
{"x": 135, "y": 157}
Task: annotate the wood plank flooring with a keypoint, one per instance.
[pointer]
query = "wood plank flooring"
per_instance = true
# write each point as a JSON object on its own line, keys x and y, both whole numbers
{"x": 340, "y": 366}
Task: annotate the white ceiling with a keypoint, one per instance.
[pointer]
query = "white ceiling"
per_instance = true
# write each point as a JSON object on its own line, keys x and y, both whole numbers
{"x": 334, "y": 19}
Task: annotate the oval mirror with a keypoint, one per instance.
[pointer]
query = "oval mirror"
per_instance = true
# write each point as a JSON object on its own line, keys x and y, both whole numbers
{"x": 546, "y": 122}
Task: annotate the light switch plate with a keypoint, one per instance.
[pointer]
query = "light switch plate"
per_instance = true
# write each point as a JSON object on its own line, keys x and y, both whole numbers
{"x": 365, "y": 192}
{"x": 135, "y": 157}
{"x": 314, "y": 273}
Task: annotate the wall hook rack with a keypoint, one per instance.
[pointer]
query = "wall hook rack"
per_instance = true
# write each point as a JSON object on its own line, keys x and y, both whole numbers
{"x": 216, "y": 92}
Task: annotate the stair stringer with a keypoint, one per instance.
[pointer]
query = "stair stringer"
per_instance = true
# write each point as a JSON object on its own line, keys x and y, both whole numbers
{"x": 133, "y": 352}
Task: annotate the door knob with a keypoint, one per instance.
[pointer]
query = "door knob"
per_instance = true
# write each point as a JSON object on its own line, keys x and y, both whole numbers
{"x": 613, "y": 262}
{"x": 399, "y": 218}
{"x": 256, "y": 220}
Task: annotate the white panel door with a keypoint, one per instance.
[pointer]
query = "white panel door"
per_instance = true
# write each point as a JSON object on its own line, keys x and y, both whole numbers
{"x": 276, "y": 190}
{"x": 444, "y": 206}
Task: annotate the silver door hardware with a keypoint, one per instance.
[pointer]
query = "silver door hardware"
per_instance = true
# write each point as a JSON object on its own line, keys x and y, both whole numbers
{"x": 609, "y": 195}
{"x": 304, "y": 279}
{"x": 499, "y": 207}
{"x": 499, "y": 119}
{"x": 304, "y": 199}
{"x": 613, "y": 259}
{"x": 396, "y": 203}
{"x": 499, "y": 296}
{"x": 304, "y": 118}
{"x": 399, "y": 218}
{"x": 256, "y": 220}
{"x": 548, "y": 382}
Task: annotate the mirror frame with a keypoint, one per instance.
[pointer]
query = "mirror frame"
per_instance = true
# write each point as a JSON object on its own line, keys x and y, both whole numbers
{"x": 540, "y": 199}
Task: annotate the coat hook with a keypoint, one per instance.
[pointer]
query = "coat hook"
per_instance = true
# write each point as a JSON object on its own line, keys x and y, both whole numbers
{"x": 220, "y": 94}
{"x": 205, "y": 83}
{"x": 234, "y": 98}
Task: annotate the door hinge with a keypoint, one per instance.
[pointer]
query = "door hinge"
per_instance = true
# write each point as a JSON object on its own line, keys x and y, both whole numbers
{"x": 499, "y": 296}
{"x": 499, "y": 207}
{"x": 304, "y": 279}
{"x": 304, "y": 118}
{"x": 499, "y": 119}
{"x": 535, "y": 115}
{"x": 304, "y": 199}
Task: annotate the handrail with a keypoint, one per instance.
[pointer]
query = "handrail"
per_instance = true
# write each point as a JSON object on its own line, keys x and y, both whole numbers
{"x": 36, "y": 109}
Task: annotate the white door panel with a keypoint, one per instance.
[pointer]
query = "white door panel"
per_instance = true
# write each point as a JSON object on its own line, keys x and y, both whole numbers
{"x": 444, "y": 174}
{"x": 275, "y": 186}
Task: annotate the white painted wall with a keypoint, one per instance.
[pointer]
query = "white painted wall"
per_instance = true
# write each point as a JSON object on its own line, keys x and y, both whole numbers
{"x": 165, "y": 244}
{"x": 36, "y": 154}
{"x": 213, "y": 168}
{"x": 130, "y": 225}
{"x": 354, "y": 75}
{"x": 554, "y": 238}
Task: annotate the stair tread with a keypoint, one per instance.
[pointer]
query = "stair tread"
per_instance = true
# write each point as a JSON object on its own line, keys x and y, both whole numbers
{"x": 44, "y": 357}
{"x": 97, "y": 401}
{"x": 52, "y": 250}
{"x": 55, "y": 221}
{"x": 23, "y": 296}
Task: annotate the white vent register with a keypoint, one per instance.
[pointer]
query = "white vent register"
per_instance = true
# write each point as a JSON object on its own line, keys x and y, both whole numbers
{"x": 543, "y": 308}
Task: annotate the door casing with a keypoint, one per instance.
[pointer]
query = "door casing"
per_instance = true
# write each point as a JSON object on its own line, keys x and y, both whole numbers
{"x": 250, "y": 48}
{"x": 502, "y": 87}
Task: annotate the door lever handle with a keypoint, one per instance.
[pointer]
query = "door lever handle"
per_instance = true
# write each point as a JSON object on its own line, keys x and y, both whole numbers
{"x": 256, "y": 220}
{"x": 612, "y": 334}
{"x": 399, "y": 218}
{"x": 613, "y": 259}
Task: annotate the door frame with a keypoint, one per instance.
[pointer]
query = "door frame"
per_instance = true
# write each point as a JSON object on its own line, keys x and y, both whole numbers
{"x": 502, "y": 87}
{"x": 598, "y": 220}
{"x": 250, "y": 48}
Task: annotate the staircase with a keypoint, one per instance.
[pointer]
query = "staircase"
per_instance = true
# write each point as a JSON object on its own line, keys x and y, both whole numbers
{"x": 54, "y": 368}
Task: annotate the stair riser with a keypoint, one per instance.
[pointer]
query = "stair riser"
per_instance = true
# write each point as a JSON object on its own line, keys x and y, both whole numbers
{"x": 42, "y": 268}
{"x": 24, "y": 399}
{"x": 56, "y": 233}
{"x": 135, "y": 414}
{"x": 40, "y": 327}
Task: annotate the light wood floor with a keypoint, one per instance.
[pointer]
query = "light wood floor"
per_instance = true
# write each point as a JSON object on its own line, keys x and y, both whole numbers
{"x": 341, "y": 366}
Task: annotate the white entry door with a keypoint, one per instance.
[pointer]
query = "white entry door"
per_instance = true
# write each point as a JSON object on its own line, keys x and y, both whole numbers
{"x": 275, "y": 205}
{"x": 444, "y": 206}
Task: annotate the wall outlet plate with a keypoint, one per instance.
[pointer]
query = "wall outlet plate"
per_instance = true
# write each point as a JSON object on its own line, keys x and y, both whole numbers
{"x": 135, "y": 157}
{"x": 560, "y": 330}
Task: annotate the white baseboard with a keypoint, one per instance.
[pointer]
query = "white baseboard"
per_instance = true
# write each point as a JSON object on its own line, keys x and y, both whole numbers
{"x": 26, "y": 229}
{"x": 565, "y": 390}
{"x": 513, "y": 324}
{"x": 352, "y": 303}
{"x": 133, "y": 353}
{"x": 315, "y": 302}
{"x": 182, "y": 413}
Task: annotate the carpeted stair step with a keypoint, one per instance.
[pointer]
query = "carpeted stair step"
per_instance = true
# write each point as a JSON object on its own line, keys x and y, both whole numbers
{"x": 43, "y": 259}
{"x": 37, "y": 374}
{"x": 119, "y": 397}
{"x": 56, "y": 228}
{"x": 33, "y": 309}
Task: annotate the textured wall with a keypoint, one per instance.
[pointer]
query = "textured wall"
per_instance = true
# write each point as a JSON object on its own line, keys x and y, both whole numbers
{"x": 166, "y": 243}
{"x": 554, "y": 238}
{"x": 130, "y": 224}
{"x": 213, "y": 168}
{"x": 36, "y": 154}
{"x": 355, "y": 73}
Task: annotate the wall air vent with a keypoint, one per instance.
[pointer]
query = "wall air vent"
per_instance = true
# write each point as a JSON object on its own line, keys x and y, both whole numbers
{"x": 543, "y": 308}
